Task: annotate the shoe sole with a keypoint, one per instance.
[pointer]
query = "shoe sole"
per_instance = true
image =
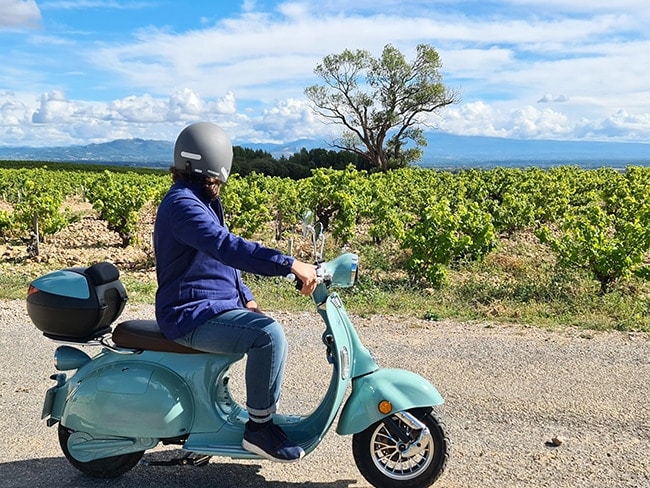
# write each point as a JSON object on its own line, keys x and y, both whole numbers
{"x": 261, "y": 452}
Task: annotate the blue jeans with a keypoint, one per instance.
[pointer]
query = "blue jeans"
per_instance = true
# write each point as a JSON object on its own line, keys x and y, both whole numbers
{"x": 261, "y": 338}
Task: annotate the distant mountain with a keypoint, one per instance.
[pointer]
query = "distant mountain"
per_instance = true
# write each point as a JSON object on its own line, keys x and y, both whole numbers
{"x": 444, "y": 151}
{"x": 123, "y": 152}
{"x": 132, "y": 152}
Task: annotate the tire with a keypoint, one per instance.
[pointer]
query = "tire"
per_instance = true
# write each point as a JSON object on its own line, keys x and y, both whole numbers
{"x": 110, "y": 467}
{"x": 381, "y": 462}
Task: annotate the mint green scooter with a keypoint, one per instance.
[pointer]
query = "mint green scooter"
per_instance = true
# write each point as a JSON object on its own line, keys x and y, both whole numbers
{"x": 141, "y": 389}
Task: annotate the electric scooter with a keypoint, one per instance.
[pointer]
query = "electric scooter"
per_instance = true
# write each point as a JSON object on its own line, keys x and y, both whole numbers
{"x": 141, "y": 389}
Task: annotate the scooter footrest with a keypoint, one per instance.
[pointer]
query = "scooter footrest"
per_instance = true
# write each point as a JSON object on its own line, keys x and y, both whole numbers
{"x": 230, "y": 451}
{"x": 188, "y": 460}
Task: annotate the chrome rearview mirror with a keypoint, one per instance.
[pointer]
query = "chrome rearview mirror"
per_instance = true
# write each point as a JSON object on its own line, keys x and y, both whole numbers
{"x": 314, "y": 229}
{"x": 308, "y": 223}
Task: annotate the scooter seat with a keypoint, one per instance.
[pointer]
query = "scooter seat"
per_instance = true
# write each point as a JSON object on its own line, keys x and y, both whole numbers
{"x": 145, "y": 334}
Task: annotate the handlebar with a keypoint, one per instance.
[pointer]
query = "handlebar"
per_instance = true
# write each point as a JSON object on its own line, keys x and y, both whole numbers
{"x": 340, "y": 272}
{"x": 320, "y": 276}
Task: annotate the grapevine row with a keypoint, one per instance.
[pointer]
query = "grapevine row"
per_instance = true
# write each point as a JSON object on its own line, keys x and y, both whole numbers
{"x": 591, "y": 219}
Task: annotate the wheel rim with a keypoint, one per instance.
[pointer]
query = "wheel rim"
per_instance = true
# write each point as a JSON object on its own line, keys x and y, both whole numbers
{"x": 397, "y": 460}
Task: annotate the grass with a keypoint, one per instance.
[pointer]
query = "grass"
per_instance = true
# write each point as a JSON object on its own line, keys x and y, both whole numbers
{"x": 477, "y": 299}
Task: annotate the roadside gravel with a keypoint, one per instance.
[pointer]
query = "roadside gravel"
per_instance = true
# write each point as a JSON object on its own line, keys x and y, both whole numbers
{"x": 524, "y": 407}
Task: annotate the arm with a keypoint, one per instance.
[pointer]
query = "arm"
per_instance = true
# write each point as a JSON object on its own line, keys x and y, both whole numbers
{"x": 198, "y": 227}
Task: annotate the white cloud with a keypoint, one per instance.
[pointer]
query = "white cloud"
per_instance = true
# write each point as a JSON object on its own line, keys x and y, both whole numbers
{"x": 13, "y": 112}
{"x": 54, "y": 108}
{"x": 619, "y": 125}
{"x": 19, "y": 13}
{"x": 550, "y": 98}
{"x": 182, "y": 106}
{"x": 258, "y": 56}
{"x": 585, "y": 7}
{"x": 474, "y": 118}
{"x": 479, "y": 118}
{"x": 529, "y": 122}
{"x": 142, "y": 109}
{"x": 185, "y": 103}
{"x": 225, "y": 105}
{"x": 54, "y": 119}
{"x": 540, "y": 74}
{"x": 292, "y": 118}
{"x": 294, "y": 10}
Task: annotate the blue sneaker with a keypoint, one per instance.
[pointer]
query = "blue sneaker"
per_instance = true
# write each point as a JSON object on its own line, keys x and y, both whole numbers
{"x": 269, "y": 441}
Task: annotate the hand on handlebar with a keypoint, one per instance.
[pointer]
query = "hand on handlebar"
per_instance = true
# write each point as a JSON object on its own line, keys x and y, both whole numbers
{"x": 305, "y": 274}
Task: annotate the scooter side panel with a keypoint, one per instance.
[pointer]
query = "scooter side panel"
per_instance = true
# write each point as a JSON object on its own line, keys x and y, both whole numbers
{"x": 130, "y": 398}
{"x": 404, "y": 389}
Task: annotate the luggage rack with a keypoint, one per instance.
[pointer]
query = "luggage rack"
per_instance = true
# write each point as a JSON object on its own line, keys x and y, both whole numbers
{"x": 102, "y": 337}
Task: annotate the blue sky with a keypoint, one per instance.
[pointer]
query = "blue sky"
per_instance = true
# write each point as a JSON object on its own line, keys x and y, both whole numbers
{"x": 82, "y": 71}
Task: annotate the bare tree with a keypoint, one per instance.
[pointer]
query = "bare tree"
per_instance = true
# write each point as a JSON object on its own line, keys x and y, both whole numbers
{"x": 380, "y": 101}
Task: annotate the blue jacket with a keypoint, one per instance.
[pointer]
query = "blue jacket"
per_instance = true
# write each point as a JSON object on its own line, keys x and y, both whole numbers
{"x": 197, "y": 261}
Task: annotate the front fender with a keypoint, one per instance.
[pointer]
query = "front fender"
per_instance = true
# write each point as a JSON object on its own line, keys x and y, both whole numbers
{"x": 404, "y": 389}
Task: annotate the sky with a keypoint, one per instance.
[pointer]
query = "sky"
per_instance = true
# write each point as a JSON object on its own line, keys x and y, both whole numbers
{"x": 75, "y": 72}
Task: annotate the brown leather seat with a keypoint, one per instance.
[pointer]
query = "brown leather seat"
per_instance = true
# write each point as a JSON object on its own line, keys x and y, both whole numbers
{"x": 145, "y": 334}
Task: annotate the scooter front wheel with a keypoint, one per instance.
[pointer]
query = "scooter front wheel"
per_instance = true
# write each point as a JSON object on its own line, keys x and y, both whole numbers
{"x": 392, "y": 454}
{"x": 110, "y": 467}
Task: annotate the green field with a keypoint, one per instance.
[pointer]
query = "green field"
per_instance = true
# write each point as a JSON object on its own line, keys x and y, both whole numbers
{"x": 552, "y": 248}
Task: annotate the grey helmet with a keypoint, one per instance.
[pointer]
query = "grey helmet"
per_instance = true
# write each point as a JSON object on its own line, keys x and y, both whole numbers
{"x": 204, "y": 148}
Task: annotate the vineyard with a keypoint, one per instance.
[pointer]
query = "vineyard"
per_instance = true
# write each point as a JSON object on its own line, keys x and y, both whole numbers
{"x": 566, "y": 242}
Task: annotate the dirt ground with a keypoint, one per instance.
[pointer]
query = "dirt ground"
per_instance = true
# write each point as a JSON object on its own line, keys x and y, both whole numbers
{"x": 523, "y": 407}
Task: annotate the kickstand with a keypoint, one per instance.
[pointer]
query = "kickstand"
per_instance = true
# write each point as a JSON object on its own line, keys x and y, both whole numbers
{"x": 189, "y": 459}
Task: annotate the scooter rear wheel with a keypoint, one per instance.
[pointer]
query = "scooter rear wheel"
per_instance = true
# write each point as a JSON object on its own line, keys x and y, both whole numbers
{"x": 389, "y": 462}
{"x": 110, "y": 467}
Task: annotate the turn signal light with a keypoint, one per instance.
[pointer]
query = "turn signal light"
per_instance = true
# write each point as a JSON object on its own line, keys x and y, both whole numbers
{"x": 385, "y": 407}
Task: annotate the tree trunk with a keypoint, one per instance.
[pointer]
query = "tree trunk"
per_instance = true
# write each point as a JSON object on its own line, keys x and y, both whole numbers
{"x": 34, "y": 247}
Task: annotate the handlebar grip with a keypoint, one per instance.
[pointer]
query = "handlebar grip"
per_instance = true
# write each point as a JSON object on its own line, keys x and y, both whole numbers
{"x": 292, "y": 277}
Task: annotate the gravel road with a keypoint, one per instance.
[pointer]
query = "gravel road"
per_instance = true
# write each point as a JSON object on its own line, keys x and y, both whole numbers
{"x": 510, "y": 392}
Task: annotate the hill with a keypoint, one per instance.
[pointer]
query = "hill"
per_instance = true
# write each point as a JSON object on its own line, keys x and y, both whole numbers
{"x": 444, "y": 151}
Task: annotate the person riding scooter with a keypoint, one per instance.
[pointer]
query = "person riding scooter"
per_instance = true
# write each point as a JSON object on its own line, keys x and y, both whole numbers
{"x": 201, "y": 300}
{"x": 143, "y": 389}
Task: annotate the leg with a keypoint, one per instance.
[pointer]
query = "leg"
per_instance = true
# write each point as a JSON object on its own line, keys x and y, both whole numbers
{"x": 263, "y": 340}
{"x": 258, "y": 336}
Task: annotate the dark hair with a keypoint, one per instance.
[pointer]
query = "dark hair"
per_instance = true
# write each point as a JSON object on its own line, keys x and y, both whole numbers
{"x": 210, "y": 185}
